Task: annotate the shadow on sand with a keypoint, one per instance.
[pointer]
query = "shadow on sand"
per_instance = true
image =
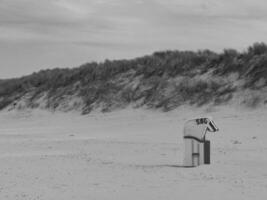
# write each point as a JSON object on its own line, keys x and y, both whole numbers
{"x": 161, "y": 166}
{"x": 178, "y": 166}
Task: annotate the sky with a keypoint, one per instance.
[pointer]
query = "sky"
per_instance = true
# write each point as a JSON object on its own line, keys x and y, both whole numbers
{"x": 41, "y": 34}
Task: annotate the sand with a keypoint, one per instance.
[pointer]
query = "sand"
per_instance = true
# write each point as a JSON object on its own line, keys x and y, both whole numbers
{"x": 130, "y": 154}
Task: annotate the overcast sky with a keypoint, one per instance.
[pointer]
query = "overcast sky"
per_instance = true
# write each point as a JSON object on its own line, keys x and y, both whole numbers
{"x": 40, "y": 34}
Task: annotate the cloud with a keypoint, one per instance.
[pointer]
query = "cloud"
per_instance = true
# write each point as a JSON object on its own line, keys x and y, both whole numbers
{"x": 124, "y": 28}
{"x": 49, "y": 20}
{"x": 218, "y": 8}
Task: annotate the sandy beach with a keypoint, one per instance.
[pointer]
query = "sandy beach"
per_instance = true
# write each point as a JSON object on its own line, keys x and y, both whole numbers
{"x": 129, "y": 154}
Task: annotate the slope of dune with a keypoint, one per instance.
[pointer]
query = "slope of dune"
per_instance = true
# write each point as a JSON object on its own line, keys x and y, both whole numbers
{"x": 164, "y": 81}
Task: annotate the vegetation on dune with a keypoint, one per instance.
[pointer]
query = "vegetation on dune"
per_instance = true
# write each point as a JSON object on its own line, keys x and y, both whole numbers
{"x": 164, "y": 80}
